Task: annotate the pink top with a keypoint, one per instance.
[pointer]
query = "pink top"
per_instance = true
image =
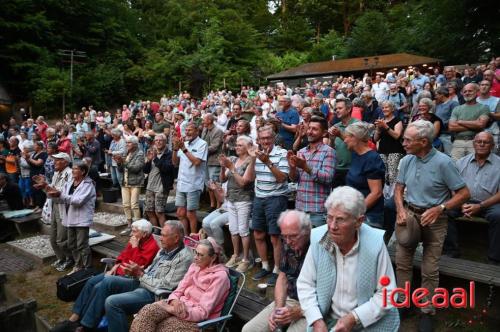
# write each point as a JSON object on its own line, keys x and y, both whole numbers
{"x": 357, "y": 113}
{"x": 203, "y": 292}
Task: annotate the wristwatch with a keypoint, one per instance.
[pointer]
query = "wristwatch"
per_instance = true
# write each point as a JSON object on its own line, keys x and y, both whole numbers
{"x": 443, "y": 207}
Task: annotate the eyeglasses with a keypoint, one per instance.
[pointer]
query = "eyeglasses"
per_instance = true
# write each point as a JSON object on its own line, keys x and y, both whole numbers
{"x": 482, "y": 142}
{"x": 339, "y": 221}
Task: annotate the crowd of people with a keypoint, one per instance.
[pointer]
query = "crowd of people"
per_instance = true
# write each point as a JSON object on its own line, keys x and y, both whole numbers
{"x": 354, "y": 157}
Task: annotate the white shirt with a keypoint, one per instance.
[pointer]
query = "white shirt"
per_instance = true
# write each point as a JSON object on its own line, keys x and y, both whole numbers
{"x": 192, "y": 178}
{"x": 380, "y": 91}
{"x": 344, "y": 299}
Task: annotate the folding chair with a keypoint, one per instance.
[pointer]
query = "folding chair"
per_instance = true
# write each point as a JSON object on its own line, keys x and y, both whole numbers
{"x": 226, "y": 314}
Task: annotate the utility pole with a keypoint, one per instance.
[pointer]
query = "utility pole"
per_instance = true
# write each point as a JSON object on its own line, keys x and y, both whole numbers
{"x": 71, "y": 54}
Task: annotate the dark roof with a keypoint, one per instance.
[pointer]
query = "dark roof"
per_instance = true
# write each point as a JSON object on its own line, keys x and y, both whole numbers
{"x": 397, "y": 60}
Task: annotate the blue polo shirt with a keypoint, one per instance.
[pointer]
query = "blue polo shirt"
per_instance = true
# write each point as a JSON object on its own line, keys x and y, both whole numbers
{"x": 429, "y": 180}
{"x": 289, "y": 117}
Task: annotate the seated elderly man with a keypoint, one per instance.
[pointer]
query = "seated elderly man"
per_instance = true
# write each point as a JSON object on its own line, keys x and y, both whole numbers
{"x": 480, "y": 171}
{"x": 136, "y": 285}
{"x": 343, "y": 249}
{"x": 295, "y": 229}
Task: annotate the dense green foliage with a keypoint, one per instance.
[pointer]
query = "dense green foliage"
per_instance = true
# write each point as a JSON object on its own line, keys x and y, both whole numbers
{"x": 144, "y": 48}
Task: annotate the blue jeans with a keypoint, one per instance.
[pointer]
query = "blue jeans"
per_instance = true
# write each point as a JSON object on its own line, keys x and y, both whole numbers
{"x": 118, "y": 306}
{"x": 90, "y": 303}
{"x": 116, "y": 176}
{"x": 213, "y": 224}
{"x": 375, "y": 219}
{"x": 492, "y": 215}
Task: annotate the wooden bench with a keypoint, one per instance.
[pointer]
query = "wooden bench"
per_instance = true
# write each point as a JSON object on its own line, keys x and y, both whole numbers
{"x": 461, "y": 268}
{"x": 109, "y": 249}
{"x": 24, "y": 220}
{"x": 249, "y": 305}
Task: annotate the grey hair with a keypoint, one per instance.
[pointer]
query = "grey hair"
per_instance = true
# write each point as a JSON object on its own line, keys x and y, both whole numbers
{"x": 358, "y": 102}
{"x": 208, "y": 244}
{"x": 428, "y": 102}
{"x": 389, "y": 103}
{"x": 51, "y": 130}
{"x": 424, "y": 128}
{"x": 132, "y": 139}
{"x": 247, "y": 139}
{"x": 348, "y": 200}
{"x": 347, "y": 102}
{"x": 210, "y": 116}
{"x": 302, "y": 217}
{"x": 177, "y": 227}
{"x": 116, "y": 132}
{"x": 423, "y": 94}
{"x": 143, "y": 225}
{"x": 442, "y": 91}
{"x": 360, "y": 130}
{"x": 366, "y": 94}
{"x": 267, "y": 128}
{"x": 28, "y": 145}
{"x": 161, "y": 136}
{"x": 308, "y": 110}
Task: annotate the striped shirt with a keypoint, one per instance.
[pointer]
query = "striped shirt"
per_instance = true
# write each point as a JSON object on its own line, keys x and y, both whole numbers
{"x": 313, "y": 190}
{"x": 265, "y": 182}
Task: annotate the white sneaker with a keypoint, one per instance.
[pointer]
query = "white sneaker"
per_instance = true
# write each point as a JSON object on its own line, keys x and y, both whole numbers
{"x": 126, "y": 231}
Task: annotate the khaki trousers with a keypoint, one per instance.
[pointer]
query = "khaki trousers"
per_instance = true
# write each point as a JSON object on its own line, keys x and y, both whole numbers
{"x": 130, "y": 200}
{"x": 260, "y": 322}
{"x": 432, "y": 240}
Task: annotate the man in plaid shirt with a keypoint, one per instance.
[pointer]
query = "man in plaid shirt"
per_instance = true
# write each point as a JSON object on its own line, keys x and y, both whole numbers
{"x": 313, "y": 168}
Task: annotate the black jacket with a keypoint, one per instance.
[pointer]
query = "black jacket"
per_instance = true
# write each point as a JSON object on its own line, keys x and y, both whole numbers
{"x": 167, "y": 169}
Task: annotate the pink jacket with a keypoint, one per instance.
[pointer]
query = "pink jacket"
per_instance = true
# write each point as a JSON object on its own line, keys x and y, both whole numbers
{"x": 203, "y": 292}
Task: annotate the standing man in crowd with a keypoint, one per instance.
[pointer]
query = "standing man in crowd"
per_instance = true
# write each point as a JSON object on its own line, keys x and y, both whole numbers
{"x": 92, "y": 149}
{"x": 214, "y": 138}
{"x": 160, "y": 168}
{"x": 271, "y": 189}
{"x": 190, "y": 154}
{"x": 380, "y": 89}
{"x": 289, "y": 119}
{"x": 429, "y": 177}
{"x": 58, "y": 232}
{"x": 285, "y": 310}
{"x": 444, "y": 107}
{"x": 466, "y": 120}
{"x": 313, "y": 168}
{"x": 343, "y": 110}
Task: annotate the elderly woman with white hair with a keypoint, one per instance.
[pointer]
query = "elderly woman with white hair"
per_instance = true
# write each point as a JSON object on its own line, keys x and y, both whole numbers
{"x": 340, "y": 251}
{"x": 141, "y": 249}
{"x": 367, "y": 171}
{"x": 117, "y": 149}
{"x": 132, "y": 180}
